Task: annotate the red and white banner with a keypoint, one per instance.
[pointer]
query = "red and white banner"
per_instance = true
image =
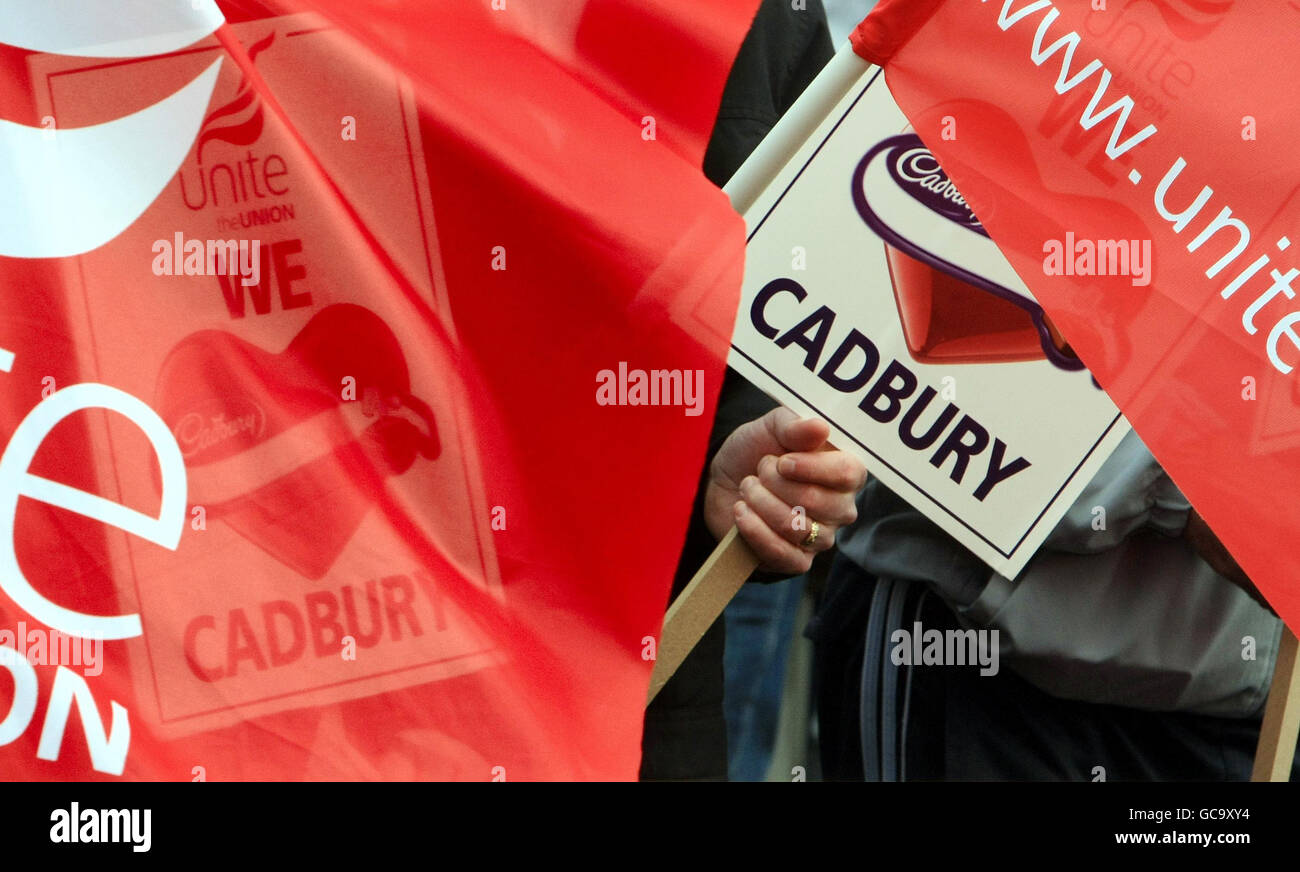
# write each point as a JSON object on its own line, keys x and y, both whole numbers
{"x": 306, "y": 474}
{"x": 1154, "y": 129}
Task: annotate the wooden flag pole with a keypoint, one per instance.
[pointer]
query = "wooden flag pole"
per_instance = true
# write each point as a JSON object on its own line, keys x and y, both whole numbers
{"x": 699, "y": 604}
{"x": 1277, "y": 735}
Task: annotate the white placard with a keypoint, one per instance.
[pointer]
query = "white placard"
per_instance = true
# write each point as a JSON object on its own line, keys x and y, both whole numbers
{"x": 874, "y": 300}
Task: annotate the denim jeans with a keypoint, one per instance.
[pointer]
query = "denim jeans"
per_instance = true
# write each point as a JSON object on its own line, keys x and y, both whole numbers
{"x": 760, "y": 624}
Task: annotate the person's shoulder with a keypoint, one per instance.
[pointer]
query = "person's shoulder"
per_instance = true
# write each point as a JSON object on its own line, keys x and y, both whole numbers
{"x": 788, "y": 28}
{"x": 786, "y": 45}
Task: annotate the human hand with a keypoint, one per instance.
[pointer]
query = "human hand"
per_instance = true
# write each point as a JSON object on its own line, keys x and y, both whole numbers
{"x": 769, "y": 468}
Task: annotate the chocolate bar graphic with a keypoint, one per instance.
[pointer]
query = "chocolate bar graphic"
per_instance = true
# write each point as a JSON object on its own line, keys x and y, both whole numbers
{"x": 958, "y": 298}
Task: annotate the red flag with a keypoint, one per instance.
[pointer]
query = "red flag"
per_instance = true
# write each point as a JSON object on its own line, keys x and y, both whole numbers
{"x": 352, "y": 384}
{"x": 1135, "y": 164}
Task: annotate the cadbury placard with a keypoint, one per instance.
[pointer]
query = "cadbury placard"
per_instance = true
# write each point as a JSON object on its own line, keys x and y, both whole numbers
{"x": 873, "y": 298}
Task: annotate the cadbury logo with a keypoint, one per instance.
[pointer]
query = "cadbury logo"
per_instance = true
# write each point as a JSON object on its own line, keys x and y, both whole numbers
{"x": 917, "y": 171}
{"x": 905, "y": 197}
{"x": 196, "y": 432}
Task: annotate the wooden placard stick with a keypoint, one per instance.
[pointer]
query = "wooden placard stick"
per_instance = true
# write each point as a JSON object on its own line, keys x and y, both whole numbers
{"x": 1277, "y": 735}
{"x": 700, "y": 603}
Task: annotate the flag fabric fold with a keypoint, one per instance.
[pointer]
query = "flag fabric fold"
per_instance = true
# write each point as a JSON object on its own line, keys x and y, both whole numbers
{"x": 1134, "y": 163}
{"x": 360, "y": 440}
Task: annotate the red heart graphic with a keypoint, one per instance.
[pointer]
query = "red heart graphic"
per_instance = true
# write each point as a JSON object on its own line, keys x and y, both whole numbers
{"x": 278, "y": 447}
{"x": 975, "y": 326}
{"x": 947, "y": 320}
{"x": 958, "y": 304}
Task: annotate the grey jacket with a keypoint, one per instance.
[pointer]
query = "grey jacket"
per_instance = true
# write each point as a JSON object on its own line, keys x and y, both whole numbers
{"x": 1114, "y": 608}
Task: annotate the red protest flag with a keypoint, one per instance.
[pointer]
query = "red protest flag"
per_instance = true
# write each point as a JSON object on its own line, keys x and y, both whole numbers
{"x": 1136, "y": 170}
{"x": 308, "y": 350}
